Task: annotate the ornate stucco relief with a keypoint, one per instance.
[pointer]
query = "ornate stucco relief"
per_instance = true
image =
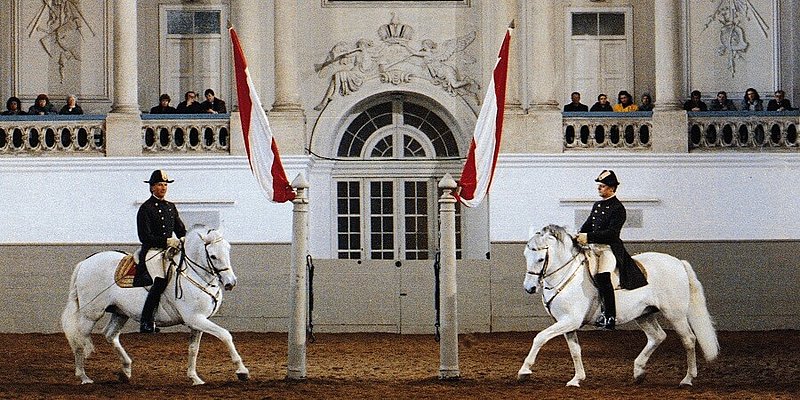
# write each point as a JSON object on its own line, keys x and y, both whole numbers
{"x": 59, "y": 24}
{"x": 396, "y": 60}
{"x": 732, "y": 15}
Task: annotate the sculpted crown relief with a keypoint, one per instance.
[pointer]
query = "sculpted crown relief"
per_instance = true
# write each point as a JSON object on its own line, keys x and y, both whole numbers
{"x": 732, "y": 14}
{"x": 394, "y": 60}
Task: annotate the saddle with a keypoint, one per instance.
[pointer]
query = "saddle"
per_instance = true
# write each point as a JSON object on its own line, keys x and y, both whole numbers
{"x": 630, "y": 276}
{"x": 125, "y": 272}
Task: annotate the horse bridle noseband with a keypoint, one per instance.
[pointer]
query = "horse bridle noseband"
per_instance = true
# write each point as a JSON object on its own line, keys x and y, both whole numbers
{"x": 542, "y": 274}
{"x": 211, "y": 270}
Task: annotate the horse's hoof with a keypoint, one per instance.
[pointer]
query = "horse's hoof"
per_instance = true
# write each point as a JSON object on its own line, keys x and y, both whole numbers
{"x": 198, "y": 382}
{"x": 683, "y": 385}
{"x": 86, "y": 381}
{"x": 574, "y": 384}
{"x": 639, "y": 379}
{"x": 122, "y": 377}
{"x": 522, "y": 377}
{"x": 243, "y": 376}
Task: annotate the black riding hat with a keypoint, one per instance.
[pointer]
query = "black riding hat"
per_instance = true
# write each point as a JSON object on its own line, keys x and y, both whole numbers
{"x": 158, "y": 176}
{"x": 608, "y": 178}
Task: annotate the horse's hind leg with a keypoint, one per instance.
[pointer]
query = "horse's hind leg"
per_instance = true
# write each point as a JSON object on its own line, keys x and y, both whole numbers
{"x": 688, "y": 338}
{"x": 204, "y": 325}
{"x": 111, "y": 332}
{"x": 84, "y": 348}
{"x": 194, "y": 348}
{"x": 577, "y": 361}
{"x": 655, "y": 336}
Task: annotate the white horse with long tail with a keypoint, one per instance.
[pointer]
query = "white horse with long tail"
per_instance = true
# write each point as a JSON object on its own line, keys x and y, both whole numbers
{"x": 557, "y": 265}
{"x": 199, "y": 273}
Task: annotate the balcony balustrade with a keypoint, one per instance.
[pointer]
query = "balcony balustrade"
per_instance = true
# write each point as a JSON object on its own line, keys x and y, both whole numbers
{"x": 48, "y": 135}
{"x": 744, "y": 131}
{"x": 607, "y": 130}
{"x": 185, "y": 133}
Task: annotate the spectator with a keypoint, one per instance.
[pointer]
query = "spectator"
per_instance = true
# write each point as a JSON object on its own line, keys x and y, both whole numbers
{"x": 625, "y": 103}
{"x": 13, "y": 107}
{"x": 212, "y": 104}
{"x": 72, "y": 107}
{"x": 190, "y": 105}
{"x": 722, "y": 102}
{"x": 576, "y": 104}
{"x": 602, "y": 104}
{"x": 42, "y": 106}
{"x": 647, "y": 102}
{"x": 163, "y": 106}
{"x": 779, "y": 103}
{"x": 694, "y": 103}
{"x": 752, "y": 101}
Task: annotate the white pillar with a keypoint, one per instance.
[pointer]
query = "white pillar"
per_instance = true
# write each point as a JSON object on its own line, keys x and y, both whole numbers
{"x": 249, "y": 27}
{"x": 126, "y": 70}
{"x": 448, "y": 294}
{"x": 669, "y": 50}
{"x": 287, "y": 87}
{"x": 298, "y": 296}
{"x": 542, "y": 47}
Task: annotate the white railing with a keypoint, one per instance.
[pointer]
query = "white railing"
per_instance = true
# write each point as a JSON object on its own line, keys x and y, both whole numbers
{"x": 185, "y": 133}
{"x": 744, "y": 130}
{"x": 607, "y": 130}
{"x": 56, "y": 135}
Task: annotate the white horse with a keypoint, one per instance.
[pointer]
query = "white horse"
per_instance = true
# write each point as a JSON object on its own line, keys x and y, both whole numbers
{"x": 194, "y": 294}
{"x": 558, "y": 266}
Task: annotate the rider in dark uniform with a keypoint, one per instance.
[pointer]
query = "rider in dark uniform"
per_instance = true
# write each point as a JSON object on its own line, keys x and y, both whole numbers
{"x": 156, "y": 220}
{"x": 601, "y": 232}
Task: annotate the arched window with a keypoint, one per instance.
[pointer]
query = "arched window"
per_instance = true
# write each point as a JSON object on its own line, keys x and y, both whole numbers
{"x": 386, "y": 203}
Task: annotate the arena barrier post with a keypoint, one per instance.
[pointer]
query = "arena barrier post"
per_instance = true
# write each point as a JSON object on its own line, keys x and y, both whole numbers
{"x": 296, "y": 364}
{"x": 448, "y": 343}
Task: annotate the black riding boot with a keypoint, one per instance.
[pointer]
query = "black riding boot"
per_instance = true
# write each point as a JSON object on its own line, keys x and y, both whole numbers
{"x": 608, "y": 317}
{"x": 151, "y": 304}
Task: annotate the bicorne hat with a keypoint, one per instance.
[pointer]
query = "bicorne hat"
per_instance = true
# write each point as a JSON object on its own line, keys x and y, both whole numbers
{"x": 608, "y": 178}
{"x": 158, "y": 176}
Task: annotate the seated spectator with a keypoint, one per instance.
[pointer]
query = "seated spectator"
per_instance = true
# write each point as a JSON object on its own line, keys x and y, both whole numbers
{"x": 190, "y": 105}
{"x": 779, "y": 103}
{"x": 212, "y": 104}
{"x": 752, "y": 101}
{"x": 163, "y": 106}
{"x": 13, "y": 107}
{"x": 722, "y": 102}
{"x": 602, "y": 104}
{"x": 72, "y": 107}
{"x": 576, "y": 104}
{"x": 625, "y": 103}
{"x": 647, "y": 102}
{"x": 42, "y": 106}
{"x": 694, "y": 103}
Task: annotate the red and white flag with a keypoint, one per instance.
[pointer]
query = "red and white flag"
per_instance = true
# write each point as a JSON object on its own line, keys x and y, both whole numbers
{"x": 262, "y": 151}
{"x": 476, "y": 177}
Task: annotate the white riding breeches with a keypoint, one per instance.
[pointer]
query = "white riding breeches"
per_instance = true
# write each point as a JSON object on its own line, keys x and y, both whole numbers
{"x": 156, "y": 264}
{"x": 606, "y": 262}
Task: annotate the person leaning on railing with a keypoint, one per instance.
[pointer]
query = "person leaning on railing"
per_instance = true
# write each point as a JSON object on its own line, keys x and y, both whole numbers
{"x": 13, "y": 107}
{"x": 72, "y": 107}
{"x": 722, "y": 102}
{"x": 625, "y": 103}
{"x": 780, "y": 102}
{"x": 752, "y": 101}
{"x": 42, "y": 106}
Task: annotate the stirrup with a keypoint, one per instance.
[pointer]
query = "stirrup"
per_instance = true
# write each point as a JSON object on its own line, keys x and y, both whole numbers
{"x": 148, "y": 327}
{"x": 605, "y": 323}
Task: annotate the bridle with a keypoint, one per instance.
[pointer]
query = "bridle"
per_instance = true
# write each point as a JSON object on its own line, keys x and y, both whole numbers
{"x": 207, "y": 286}
{"x": 543, "y": 274}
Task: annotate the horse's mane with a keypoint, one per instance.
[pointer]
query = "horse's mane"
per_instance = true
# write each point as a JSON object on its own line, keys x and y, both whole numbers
{"x": 560, "y": 233}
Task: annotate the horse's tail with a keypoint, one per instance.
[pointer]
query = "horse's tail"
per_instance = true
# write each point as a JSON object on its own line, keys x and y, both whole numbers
{"x": 69, "y": 319}
{"x": 699, "y": 318}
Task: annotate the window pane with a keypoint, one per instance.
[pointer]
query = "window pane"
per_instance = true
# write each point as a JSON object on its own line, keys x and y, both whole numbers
{"x": 206, "y": 22}
{"x": 612, "y": 24}
{"x": 348, "y": 220}
{"x": 584, "y": 24}
{"x": 179, "y": 22}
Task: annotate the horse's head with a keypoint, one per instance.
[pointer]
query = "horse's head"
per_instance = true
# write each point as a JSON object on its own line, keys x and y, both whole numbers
{"x": 544, "y": 246}
{"x": 209, "y": 247}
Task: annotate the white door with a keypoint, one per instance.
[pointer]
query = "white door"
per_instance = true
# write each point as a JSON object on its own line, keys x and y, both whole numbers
{"x": 192, "y": 49}
{"x": 599, "y": 53}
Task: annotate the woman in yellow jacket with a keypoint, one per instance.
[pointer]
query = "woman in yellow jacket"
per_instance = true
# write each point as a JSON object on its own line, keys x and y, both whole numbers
{"x": 625, "y": 103}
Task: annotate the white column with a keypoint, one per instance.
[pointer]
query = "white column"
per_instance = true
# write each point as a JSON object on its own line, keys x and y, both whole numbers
{"x": 542, "y": 46}
{"x": 249, "y": 27}
{"x": 287, "y": 86}
{"x": 126, "y": 70}
{"x": 448, "y": 295}
{"x": 669, "y": 50}
{"x": 298, "y": 296}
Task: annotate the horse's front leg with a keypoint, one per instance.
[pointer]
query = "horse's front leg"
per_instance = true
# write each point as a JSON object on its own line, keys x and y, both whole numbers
{"x": 559, "y": 328}
{"x": 194, "y": 348}
{"x": 204, "y": 325}
{"x": 577, "y": 361}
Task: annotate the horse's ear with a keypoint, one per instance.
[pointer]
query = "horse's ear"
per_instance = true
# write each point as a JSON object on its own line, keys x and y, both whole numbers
{"x": 531, "y": 232}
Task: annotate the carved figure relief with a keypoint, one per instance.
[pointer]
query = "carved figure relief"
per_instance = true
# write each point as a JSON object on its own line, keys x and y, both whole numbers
{"x": 395, "y": 60}
{"x": 60, "y": 22}
{"x": 732, "y": 15}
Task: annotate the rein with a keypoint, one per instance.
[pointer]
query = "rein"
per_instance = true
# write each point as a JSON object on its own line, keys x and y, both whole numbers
{"x": 543, "y": 274}
{"x": 205, "y": 286}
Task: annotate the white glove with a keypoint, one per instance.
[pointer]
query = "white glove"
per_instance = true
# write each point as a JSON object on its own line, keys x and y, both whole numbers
{"x": 583, "y": 239}
{"x": 173, "y": 243}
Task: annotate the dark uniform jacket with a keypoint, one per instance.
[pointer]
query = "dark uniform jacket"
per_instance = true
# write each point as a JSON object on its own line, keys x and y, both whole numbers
{"x": 604, "y": 226}
{"x": 155, "y": 222}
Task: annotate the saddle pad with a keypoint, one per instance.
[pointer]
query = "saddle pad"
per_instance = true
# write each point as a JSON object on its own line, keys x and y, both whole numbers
{"x": 641, "y": 268}
{"x": 126, "y": 270}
